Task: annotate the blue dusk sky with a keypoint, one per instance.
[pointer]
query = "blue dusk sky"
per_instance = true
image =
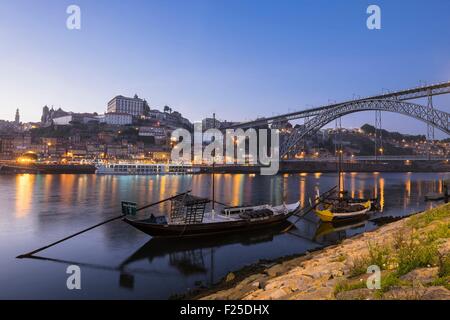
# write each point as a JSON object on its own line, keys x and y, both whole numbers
{"x": 238, "y": 58}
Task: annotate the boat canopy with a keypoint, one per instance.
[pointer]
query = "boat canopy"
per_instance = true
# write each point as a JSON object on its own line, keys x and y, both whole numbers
{"x": 187, "y": 209}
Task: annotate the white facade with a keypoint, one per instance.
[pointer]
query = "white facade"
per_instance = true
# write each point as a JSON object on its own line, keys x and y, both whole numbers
{"x": 63, "y": 121}
{"x": 118, "y": 119}
{"x": 69, "y": 119}
{"x": 152, "y": 132}
{"x": 120, "y": 104}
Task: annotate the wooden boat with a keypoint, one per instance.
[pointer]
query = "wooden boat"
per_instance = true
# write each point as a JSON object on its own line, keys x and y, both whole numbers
{"x": 187, "y": 217}
{"x": 344, "y": 211}
{"x": 343, "y": 207}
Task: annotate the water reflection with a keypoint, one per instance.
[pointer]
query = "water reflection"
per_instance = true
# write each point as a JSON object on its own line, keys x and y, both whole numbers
{"x": 328, "y": 232}
{"x": 24, "y": 191}
{"x": 190, "y": 256}
{"x": 51, "y": 206}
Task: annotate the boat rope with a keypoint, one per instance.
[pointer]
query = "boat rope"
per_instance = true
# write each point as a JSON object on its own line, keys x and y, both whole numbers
{"x": 311, "y": 207}
{"x": 27, "y": 255}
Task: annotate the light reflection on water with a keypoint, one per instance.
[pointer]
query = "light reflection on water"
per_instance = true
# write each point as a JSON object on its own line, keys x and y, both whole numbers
{"x": 121, "y": 262}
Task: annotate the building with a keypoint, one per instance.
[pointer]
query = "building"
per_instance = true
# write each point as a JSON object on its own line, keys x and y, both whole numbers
{"x": 159, "y": 134}
{"x": 152, "y": 132}
{"x": 118, "y": 118}
{"x": 6, "y": 147}
{"x": 134, "y": 106}
{"x": 83, "y": 118}
{"x": 14, "y": 145}
{"x": 117, "y": 151}
{"x": 49, "y": 114}
{"x": 209, "y": 123}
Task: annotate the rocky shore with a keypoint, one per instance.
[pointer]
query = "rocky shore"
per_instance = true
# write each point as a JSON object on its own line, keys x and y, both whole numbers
{"x": 413, "y": 255}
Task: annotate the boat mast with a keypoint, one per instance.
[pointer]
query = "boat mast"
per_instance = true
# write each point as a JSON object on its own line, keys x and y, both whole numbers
{"x": 340, "y": 154}
{"x": 213, "y": 170}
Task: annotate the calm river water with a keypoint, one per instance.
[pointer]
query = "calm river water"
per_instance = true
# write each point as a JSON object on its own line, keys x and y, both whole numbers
{"x": 118, "y": 261}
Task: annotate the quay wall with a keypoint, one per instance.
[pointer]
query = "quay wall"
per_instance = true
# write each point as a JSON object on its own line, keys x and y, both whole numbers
{"x": 323, "y": 166}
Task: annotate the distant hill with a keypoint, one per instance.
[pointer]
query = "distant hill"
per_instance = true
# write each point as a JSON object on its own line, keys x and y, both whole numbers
{"x": 367, "y": 128}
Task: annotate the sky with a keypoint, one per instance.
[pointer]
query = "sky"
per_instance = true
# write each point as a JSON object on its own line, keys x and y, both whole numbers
{"x": 241, "y": 59}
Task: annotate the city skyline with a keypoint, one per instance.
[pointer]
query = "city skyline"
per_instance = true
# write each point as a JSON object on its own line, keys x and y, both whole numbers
{"x": 204, "y": 57}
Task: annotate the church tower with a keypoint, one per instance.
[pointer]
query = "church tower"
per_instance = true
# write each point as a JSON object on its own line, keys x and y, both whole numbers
{"x": 17, "y": 119}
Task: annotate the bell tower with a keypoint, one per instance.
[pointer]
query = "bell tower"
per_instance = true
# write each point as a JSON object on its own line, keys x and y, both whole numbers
{"x": 17, "y": 119}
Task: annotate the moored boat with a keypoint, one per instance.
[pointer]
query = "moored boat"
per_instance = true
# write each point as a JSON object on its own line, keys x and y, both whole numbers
{"x": 187, "y": 217}
{"x": 130, "y": 168}
{"x": 344, "y": 211}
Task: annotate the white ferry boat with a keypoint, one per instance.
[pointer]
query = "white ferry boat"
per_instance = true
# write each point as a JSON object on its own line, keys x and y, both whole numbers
{"x": 145, "y": 169}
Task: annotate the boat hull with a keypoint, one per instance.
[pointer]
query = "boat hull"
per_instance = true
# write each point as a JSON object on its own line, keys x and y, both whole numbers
{"x": 329, "y": 216}
{"x": 205, "y": 229}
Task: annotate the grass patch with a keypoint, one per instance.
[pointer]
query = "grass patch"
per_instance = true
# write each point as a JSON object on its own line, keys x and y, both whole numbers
{"x": 440, "y": 231}
{"x": 389, "y": 280}
{"x": 413, "y": 254}
{"x": 429, "y": 216}
{"x": 445, "y": 282}
{"x": 379, "y": 255}
{"x": 414, "y": 246}
{"x": 359, "y": 266}
{"x": 349, "y": 286}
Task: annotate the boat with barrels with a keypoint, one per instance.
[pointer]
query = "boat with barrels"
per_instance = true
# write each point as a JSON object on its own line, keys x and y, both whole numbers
{"x": 188, "y": 217}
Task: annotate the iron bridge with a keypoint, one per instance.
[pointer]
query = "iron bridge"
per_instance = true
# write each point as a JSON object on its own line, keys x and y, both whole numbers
{"x": 397, "y": 102}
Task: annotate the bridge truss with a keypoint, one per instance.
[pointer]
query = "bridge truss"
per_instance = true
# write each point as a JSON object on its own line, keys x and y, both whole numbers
{"x": 433, "y": 117}
{"x": 396, "y": 102}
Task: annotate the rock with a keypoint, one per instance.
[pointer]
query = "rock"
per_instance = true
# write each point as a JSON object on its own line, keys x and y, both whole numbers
{"x": 357, "y": 294}
{"x": 304, "y": 282}
{"x": 277, "y": 294}
{"x": 276, "y": 270}
{"x": 436, "y": 293}
{"x": 273, "y": 284}
{"x": 327, "y": 269}
{"x": 418, "y": 293}
{"x": 230, "y": 277}
{"x": 444, "y": 248}
{"x": 241, "y": 293}
{"x": 252, "y": 278}
{"x": 422, "y": 275}
{"x": 405, "y": 293}
{"x": 317, "y": 294}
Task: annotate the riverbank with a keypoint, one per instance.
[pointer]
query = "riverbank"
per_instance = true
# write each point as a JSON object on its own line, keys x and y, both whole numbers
{"x": 413, "y": 255}
{"x": 41, "y": 168}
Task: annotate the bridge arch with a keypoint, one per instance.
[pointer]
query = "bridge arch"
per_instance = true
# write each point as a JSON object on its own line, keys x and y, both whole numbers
{"x": 438, "y": 119}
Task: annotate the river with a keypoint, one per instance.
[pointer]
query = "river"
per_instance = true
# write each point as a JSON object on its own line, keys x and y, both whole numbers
{"x": 119, "y": 262}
